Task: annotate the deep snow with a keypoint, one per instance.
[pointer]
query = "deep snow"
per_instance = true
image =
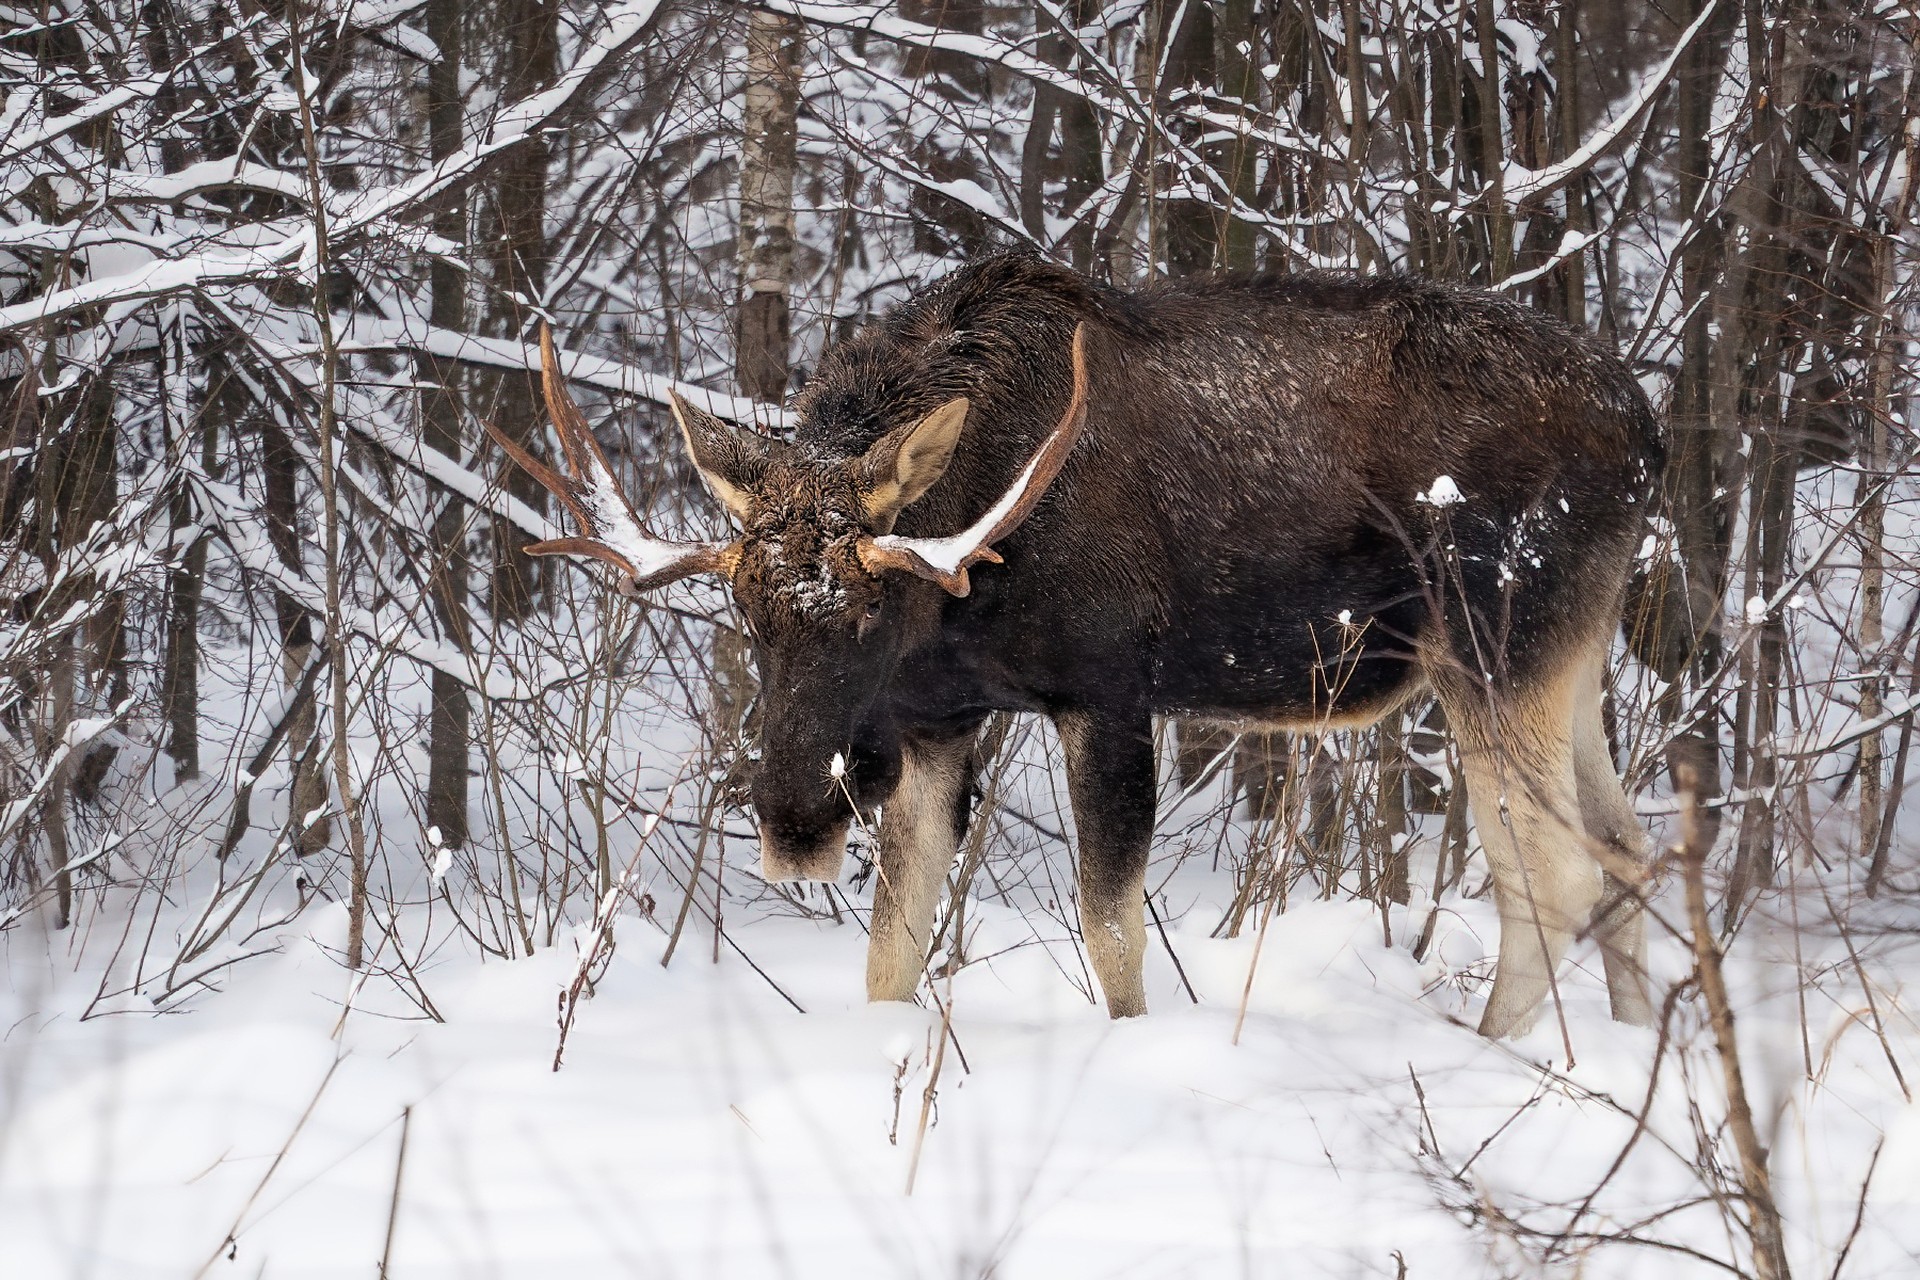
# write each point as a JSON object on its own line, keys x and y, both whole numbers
{"x": 701, "y": 1127}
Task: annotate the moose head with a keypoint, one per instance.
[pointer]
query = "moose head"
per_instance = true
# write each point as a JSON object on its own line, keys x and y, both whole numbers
{"x": 829, "y": 593}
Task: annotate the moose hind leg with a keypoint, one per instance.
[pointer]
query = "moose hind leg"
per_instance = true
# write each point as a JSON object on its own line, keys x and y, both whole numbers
{"x": 921, "y": 825}
{"x": 1522, "y": 788}
{"x": 1618, "y": 842}
{"x": 1111, "y": 784}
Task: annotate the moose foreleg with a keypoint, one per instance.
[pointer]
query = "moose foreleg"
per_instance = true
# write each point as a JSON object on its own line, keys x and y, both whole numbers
{"x": 1110, "y": 781}
{"x": 920, "y": 828}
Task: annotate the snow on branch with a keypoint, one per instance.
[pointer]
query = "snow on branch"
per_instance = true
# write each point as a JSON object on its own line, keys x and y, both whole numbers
{"x": 242, "y": 531}
{"x": 369, "y": 333}
{"x": 1519, "y": 183}
{"x": 358, "y": 215}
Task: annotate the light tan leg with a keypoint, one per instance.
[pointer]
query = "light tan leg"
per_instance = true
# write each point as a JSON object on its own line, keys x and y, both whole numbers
{"x": 1524, "y": 795}
{"x": 1110, "y": 781}
{"x": 1620, "y": 844}
{"x": 1113, "y": 922}
{"x": 920, "y": 829}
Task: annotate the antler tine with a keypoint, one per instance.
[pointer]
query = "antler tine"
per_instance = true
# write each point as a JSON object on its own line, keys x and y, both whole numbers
{"x": 550, "y": 480}
{"x": 946, "y": 560}
{"x": 611, "y": 530}
{"x": 584, "y": 458}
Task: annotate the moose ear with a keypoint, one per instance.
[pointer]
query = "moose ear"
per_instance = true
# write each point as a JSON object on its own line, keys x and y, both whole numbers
{"x": 903, "y": 464}
{"x": 730, "y": 459}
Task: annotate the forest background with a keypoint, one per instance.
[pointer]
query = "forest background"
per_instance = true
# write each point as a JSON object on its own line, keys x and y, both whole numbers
{"x": 268, "y": 642}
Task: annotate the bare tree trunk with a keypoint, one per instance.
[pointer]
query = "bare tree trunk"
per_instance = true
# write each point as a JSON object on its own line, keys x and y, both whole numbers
{"x": 1080, "y": 161}
{"x": 1117, "y": 248}
{"x": 67, "y": 490}
{"x": 1677, "y": 632}
{"x": 1873, "y": 591}
{"x": 1794, "y": 255}
{"x": 1888, "y": 339}
{"x": 308, "y": 795}
{"x": 1186, "y": 33}
{"x": 91, "y": 471}
{"x": 943, "y": 225}
{"x": 189, "y": 436}
{"x": 1390, "y": 813}
{"x": 767, "y": 156}
{"x": 180, "y": 665}
{"x": 57, "y": 718}
{"x": 1034, "y": 147}
{"x": 1568, "y": 127}
{"x": 1536, "y": 144}
{"x": 339, "y": 671}
{"x": 1770, "y": 535}
{"x": 1453, "y": 251}
{"x": 180, "y": 669}
{"x": 1240, "y": 80}
{"x": 527, "y": 35}
{"x": 1492, "y": 137}
{"x": 448, "y": 730}
{"x": 1081, "y": 155}
{"x": 306, "y": 748}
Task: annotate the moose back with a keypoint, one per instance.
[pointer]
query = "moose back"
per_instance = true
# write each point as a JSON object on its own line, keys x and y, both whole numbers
{"x": 1282, "y": 501}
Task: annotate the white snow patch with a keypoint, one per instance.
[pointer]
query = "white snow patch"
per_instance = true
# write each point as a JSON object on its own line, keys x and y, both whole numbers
{"x": 1443, "y": 493}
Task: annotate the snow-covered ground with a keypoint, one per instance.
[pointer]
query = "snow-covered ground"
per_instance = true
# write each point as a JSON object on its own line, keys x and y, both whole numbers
{"x": 742, "y": 1112}
{"x": 701, "y": 1126}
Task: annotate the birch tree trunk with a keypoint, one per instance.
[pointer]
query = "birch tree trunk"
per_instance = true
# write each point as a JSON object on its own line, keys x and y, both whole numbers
{"x": 767, "y": 154}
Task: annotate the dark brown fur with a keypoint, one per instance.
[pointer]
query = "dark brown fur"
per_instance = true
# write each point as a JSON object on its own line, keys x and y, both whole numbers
{"x": 1238, "y": 535}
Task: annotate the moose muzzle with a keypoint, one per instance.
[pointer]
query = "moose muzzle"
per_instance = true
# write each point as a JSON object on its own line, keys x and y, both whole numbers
{"x": 788, "y": 854}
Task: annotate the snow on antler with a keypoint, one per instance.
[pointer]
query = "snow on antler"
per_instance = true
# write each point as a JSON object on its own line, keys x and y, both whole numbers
{"x": 610, "y": 529}
{"x": 946, "y": 560}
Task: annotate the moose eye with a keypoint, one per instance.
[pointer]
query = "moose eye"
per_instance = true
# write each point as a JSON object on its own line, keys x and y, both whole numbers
{"x": 870, "y": 615}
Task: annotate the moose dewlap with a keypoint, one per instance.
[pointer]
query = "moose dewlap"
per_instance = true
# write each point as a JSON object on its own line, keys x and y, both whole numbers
{"x": 1294, "y": 501}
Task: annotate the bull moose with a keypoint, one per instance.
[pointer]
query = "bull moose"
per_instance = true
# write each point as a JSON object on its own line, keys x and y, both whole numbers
{"x": 1272, "y": 500}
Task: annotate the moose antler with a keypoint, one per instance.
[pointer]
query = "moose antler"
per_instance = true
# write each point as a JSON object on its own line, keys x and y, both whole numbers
{"x": 610, "y": 528}
{"x": 946, "y": 560}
